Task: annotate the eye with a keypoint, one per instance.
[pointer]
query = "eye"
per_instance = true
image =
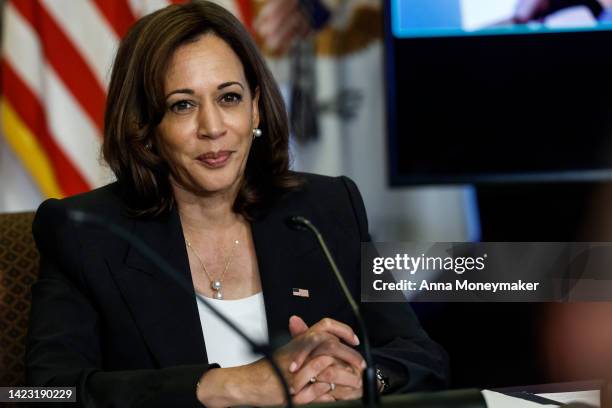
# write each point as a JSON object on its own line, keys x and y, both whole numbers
{"x": 182, "y": 106}
{"x": 231, "y": 98}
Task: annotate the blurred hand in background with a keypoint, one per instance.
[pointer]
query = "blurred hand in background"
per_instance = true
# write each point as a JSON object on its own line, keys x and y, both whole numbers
{"x": 280, "y": 24}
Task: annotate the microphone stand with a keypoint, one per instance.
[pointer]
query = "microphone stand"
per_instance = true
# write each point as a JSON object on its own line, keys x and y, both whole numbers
{"x": 81, "y": 217}
{"x": 370, "y": 393}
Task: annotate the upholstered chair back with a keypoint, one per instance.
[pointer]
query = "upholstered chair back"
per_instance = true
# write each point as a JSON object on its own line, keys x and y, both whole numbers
{"x": 18, "y": 271}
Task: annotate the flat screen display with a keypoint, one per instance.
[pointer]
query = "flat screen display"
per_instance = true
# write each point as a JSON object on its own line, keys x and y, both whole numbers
{"x": 498, "y": 90}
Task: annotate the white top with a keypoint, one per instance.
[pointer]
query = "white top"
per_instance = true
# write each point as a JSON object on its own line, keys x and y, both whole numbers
{"x": 225, "y": 347}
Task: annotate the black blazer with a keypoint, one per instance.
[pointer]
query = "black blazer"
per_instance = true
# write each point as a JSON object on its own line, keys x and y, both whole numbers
{"x": 108, "y": 321}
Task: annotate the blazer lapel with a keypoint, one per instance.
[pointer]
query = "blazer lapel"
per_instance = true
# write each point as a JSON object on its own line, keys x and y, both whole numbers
{"x": 164, "y": 307}
{"x": 167, "y": 313}
{"x": 289, "y": 259}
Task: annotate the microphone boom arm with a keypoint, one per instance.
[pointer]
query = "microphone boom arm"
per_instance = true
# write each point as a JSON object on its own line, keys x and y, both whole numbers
{"x": 370, "y": 392}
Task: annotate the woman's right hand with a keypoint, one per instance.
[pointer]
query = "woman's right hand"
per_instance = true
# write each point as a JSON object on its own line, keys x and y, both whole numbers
{"x": 256, "y": 384}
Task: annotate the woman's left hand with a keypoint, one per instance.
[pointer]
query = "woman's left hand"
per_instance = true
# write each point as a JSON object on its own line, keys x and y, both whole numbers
{"x": 339, "y": 381}
{"x": 336, "y": 382}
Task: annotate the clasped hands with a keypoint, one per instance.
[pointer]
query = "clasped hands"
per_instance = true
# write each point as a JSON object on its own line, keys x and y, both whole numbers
{"x": 319, "y": 365}
{"x": 324, "y": 367}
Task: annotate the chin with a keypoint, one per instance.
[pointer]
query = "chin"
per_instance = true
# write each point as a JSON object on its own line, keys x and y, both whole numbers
{"x": 217, "y": 183}
{"x": 202, "y": 180}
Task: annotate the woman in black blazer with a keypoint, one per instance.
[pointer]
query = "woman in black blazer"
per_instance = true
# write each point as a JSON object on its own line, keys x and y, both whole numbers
{"x": 196, "y": 134}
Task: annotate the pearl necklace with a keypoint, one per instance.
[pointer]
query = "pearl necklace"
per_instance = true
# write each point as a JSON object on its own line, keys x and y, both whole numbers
{"x": 215, "y": 284}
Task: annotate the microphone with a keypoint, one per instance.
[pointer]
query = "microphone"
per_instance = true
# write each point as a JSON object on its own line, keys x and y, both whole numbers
{"x": 370, "y": 394}
{"x": 85, "y": 218}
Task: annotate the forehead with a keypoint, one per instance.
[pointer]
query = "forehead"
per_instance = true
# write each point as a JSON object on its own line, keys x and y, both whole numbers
{"x": 207, "y": 61}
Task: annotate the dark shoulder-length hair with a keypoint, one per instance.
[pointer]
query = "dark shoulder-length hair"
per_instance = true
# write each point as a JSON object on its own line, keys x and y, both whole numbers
{"x": 136, "y": 105}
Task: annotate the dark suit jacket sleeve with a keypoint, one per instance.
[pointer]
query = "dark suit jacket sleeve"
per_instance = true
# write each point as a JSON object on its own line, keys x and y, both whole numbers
{"x": 63, "y": 346}
{"x": 402, "y": 349}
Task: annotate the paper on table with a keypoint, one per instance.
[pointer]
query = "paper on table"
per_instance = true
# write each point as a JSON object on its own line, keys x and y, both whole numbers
{"x": 586, "y": 397}
{"x": 497, "y": 400}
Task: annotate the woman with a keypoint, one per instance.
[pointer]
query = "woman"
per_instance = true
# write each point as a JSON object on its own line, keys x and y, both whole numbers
{"x": 196, "y": 134}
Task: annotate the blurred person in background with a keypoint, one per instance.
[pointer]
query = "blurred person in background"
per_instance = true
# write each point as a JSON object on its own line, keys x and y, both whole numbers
{"x": 529, "y": 10}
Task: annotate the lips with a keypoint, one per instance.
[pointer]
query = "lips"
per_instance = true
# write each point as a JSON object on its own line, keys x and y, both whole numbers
{"x": 215, "y": 159}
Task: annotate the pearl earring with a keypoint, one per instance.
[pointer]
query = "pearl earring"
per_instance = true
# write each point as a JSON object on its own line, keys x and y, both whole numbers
{"x": 257, "y": 132}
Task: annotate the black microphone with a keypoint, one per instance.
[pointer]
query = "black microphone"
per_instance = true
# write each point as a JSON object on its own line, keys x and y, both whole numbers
{"x": 82, "y": 217}
{"x": 370, "y": 393}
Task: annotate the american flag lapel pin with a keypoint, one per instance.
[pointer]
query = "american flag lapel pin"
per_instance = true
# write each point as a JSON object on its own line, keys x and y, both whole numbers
{"x": 301, "y": 292}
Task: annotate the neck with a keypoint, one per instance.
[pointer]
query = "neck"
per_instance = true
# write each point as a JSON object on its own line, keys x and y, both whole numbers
{"x": 206, "y": 212}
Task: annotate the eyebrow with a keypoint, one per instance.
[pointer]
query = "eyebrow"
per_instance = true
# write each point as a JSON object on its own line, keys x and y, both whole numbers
{"x": 226, "y": 84}
{"x": 191, "y": 91}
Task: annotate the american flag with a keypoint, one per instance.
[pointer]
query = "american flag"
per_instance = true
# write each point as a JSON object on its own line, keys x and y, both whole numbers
{"x": 301, "y": 292}
{"x": 55, "y": 67}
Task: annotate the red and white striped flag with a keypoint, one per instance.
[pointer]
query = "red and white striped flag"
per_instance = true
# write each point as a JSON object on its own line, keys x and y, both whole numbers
{"x": 56, "y": 61}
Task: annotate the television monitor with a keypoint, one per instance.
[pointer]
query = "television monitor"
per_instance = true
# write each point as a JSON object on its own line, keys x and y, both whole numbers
{"x": 485, "y": 91}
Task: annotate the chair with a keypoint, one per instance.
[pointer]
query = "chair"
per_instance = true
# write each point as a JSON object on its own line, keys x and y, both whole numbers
{"x": 18, "y": 271}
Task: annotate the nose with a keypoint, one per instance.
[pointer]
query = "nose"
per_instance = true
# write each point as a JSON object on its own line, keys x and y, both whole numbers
{"x": 210, "y": 122}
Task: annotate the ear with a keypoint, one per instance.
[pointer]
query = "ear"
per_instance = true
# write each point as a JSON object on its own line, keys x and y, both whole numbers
{"x": 255, "y": 108}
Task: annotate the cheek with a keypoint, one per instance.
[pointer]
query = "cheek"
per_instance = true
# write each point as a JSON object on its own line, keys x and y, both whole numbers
{"x": 241, "y": 125}
{"x": 174, "y": 135}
